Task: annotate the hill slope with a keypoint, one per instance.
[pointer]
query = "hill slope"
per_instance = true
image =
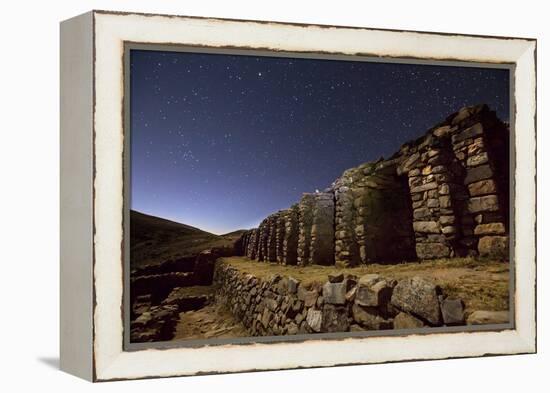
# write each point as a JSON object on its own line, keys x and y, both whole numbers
{"x": 154, "y": 240}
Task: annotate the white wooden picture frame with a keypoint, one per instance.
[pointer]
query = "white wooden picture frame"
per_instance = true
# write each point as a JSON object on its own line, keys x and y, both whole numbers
{"x": 92, "y": 194}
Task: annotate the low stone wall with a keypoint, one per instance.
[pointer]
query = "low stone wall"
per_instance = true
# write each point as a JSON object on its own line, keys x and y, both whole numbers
{"x": 157, "y": 293}
{"x": 283, "y": 306}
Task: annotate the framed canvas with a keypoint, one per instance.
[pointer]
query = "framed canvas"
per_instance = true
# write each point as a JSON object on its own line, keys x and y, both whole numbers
{"x": 246, "y": 195}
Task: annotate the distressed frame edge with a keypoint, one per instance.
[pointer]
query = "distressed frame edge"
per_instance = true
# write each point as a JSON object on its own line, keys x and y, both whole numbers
{"x": 526, "y": 339}
{"x": 76, "y": 196}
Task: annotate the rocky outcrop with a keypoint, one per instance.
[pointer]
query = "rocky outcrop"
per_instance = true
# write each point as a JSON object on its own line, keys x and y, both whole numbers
{"x": 284, "y": 306}
{"x": 442, "y": 195}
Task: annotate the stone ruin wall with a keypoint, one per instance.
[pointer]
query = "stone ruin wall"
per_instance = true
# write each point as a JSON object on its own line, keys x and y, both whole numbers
{"x": 442, "y": 195}
{"x": 282, "y": 305}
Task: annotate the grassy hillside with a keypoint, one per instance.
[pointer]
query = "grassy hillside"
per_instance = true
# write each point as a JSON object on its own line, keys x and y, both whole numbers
{"x": 154, "y": 240}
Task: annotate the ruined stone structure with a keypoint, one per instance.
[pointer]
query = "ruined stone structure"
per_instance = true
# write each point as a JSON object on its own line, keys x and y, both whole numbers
{"x": 442, "y": 195}
{"x": 290, "y": 239}
{"x": 284, "y": 306}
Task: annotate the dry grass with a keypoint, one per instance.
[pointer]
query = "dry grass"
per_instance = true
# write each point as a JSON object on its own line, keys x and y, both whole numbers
{"x": 197, "y": 290}
{"x": 481, "y": 283}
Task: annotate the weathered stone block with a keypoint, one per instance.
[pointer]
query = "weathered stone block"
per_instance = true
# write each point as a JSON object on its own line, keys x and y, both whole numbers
{"x": 424, "y": 187}
{"x": 495, "y": 228}
{"x": 484, "y": 203}
{"x": 426, "y": 227}
{"x": 412, "y": 162}
{"x": 334, "y": 319}
{"x": 432, "y": 250}
{"x": 406, "y": 321}
{"x": 442, "y": 131}
{"x": 449, "y": 230}
{"x": 350, "y": 295}
{"x": 334, "y": 293}
{"x": 474, "y": 131}
{"x": 314, "y": 319}
{"x": 444, "y": 189}
{"x": 452, "y": 311}
{"x": 421, "y": 213}
{"x": 309, "y": 297}
{"x": 483, "y": 187}
{"x": 445, "y": 201}
{"x": 370, "y": 318}
{"x": 293, "y": 285}
{"x": 432, "y": 203}
{"x": 292, "y": 329}
{"x": 447, "y": 220}
{"x": 373, "y": 291}
{"x": 266, "y": 318}
{"x": 419, "y": 297}
{"x": 493, "y": 246}
{"x": 477, "y": 159}
{"x": 478, "y": 173}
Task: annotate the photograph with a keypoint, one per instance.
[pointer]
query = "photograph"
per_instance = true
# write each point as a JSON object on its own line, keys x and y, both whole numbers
{"x": 278, "y": 195}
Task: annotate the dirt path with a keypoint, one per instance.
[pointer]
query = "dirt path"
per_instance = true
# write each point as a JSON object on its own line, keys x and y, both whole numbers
{"x": 212, "y": 321}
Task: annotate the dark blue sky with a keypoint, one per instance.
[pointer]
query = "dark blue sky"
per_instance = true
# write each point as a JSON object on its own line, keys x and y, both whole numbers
{"x": 221, "y": 141}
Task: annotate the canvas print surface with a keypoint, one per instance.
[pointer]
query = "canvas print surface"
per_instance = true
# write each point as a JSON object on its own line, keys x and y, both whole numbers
{"x": 285, "y": 196}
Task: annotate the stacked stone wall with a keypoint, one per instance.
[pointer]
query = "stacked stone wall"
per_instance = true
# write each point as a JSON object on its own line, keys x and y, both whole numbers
{"x": 272, "y": 238}
{"x": 321, "y": 249}
{"x": 290, "y": 239}
{"x": 305, "y": 221}
{"x": 284, "y": 306}
{"x": 442, "y": 195}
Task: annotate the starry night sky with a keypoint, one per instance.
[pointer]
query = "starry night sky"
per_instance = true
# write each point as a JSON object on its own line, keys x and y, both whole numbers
{"x": 221, "y": 141}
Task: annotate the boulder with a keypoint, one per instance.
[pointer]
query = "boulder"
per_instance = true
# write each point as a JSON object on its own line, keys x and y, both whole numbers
{"x": 493, "y": 246}
{"x": 335, "y": 319}
{"x": 418, "y": 297}
{"x": 370, "y": 318}
{"x": 482, "y": 317}
{"x": 452, "y": 311}
{"x": 334, "y": 293}
{"x": 292, "y": 329}
{"x": 314, "y": 319}
{"x": 406, "y": 321}
{"x": 293, "y": 285}
{"x": 309, "y": 297}
{"x": 372, "y": 291}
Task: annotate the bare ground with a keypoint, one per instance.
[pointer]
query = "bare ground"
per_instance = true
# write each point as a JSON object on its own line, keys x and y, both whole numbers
{"x": 212, "y": 321}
